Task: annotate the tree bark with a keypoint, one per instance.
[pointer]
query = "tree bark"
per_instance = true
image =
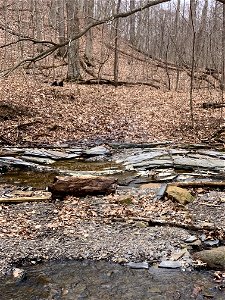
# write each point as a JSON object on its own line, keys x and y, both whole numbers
{"x": 132, "y": 23}
{"x": 89, "y": 15}
{"x": 73, "y": 73}
{"x": 82, "y": 186}
{"x": 61, "y": 25}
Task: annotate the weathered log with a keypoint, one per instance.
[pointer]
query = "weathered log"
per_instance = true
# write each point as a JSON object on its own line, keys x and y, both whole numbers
{"x": 82, "y": 186}
{"x": 214, "y": 184}
{"x": 26, "y": 199}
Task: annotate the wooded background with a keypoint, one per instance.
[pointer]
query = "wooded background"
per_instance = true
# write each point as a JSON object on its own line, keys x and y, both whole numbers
{"x": 184, "y": 39}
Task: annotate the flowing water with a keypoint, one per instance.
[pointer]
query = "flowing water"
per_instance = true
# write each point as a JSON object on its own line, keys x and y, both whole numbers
{"x": 73, "y": 280}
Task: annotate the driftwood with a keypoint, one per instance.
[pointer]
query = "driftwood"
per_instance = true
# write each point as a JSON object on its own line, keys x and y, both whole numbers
{"x": 81, "y": 186}
{"x": 25, "y": 199}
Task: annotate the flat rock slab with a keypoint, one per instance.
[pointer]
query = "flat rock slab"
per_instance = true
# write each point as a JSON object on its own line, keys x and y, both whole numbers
{"x": 138, "y": 265}
{"x": 12, "y": 161}
{"x": 138, "y": 158}
{"x": 170, "y": 264}
{"x": 55, "y": 155}
{"x": 39, "y": 160}
{"x": 199, "y": 162}
{"x": 99, "y": 150}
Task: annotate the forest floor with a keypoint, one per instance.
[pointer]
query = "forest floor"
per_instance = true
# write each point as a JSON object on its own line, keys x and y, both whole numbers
{"x": 106, "y": 227}
{"x": 37, "y": 113}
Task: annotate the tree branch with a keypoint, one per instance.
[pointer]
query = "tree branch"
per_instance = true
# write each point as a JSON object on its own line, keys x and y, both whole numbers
{"x": 77, "y": 36}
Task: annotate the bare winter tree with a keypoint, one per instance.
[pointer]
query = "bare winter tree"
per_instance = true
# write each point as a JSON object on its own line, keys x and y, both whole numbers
{"x": 73, "y": 44}
{"x": 89, "y": 16}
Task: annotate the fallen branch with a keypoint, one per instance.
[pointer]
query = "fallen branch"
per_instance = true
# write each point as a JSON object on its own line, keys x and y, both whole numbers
{"x": 207, "y": 105}
{"x": 120, "y": 83}
{"x": 25, "y": 199}
{"x": 55, "y": 47}
{"x": 194, "y": 227}
{"x": 199, "y": 184}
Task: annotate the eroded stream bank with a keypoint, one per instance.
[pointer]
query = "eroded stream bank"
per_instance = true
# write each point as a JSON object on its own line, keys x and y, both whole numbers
{"x": 128, "y": 227}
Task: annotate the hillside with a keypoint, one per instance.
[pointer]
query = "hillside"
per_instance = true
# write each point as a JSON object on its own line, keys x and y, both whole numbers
{"x": 148, "y": 104}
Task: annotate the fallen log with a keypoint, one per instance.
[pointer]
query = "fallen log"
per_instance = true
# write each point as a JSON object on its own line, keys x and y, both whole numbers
{"x": 82, "y": 186}
{"x": 214, "y": 184}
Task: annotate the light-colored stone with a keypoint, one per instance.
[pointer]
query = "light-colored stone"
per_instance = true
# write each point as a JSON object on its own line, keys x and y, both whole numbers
{"x": 214, "y": 258}
{"x": 181, "y": 195}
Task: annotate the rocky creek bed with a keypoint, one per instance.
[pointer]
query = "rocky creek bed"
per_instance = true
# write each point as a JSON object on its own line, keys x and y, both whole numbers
{"x": 132, "y": 226}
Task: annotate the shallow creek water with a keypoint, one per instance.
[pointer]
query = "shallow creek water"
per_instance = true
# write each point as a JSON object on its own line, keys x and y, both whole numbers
{"x": 73, "y": 280}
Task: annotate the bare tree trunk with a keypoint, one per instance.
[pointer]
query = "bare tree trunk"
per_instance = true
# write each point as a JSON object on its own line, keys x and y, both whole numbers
{"x": 61, "y": 25}
{"x": 38, "y": 24}
{"x": 223, "y": 64}
{"x": 132, "y": 23}
{"x": 193, "y": 26}
{"x": 89, "y": 15}
{"x": 200, "y": 38}
{"x": 116, "y": 62}
{"x": 73, "y": 72}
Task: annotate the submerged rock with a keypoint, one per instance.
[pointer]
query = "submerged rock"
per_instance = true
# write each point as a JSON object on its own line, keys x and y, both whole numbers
{"x": 138, "y": 265}
{"x": 170, "y": 264}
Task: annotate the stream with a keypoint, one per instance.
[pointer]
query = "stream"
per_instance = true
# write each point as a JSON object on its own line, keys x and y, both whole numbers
{"x": 133, "y": 167}
{"x": 73, "y": 280}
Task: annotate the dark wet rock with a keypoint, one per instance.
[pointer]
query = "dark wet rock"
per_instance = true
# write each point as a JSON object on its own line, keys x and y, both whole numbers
{"x": 138, "y": 265}
{"x": 214, "y": 258}
{"x": 161, "y": 192}
{"x": 197, "y": 245}
{"x": 99, "y": 150}
{"x": 170, "y": 264}
{"x": 181, "y": 195}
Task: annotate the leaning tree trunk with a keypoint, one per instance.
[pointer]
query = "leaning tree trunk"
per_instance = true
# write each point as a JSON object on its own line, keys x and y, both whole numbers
{"x": 73, "y": 72}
